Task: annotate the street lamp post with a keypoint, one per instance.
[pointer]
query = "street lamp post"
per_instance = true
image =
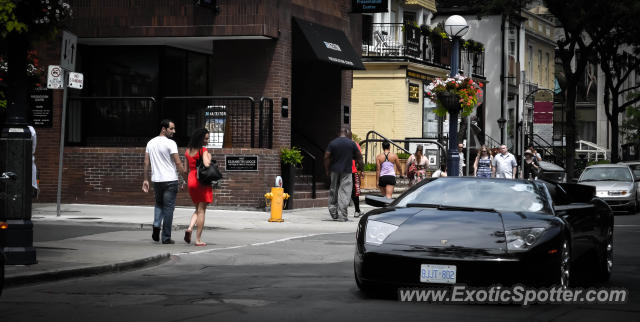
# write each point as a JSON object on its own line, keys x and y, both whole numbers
{"x": 456, "y": 27}
{"x": 501, "y": 122}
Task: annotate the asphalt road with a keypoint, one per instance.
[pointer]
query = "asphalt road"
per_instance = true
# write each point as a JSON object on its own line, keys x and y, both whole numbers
{"x": 308, "y": 279}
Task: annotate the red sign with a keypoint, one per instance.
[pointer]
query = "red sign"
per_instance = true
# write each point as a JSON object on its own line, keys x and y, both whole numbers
{"x": 543, "y": 112}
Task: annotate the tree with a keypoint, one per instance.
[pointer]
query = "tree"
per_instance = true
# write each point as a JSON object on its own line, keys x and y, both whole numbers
{"x": 618, "y": 38}
{"x": 631, "y": 124}
{"x": 576, "y": 50}
{"x": 22, "y": 22}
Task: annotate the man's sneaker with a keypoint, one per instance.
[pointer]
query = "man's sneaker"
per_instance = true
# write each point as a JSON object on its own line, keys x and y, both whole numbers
{"x": 334, "y": 216}
{"x": 156, "y": 234}
{"x": 168, "y": 241}
{"x": 357, "y": 214}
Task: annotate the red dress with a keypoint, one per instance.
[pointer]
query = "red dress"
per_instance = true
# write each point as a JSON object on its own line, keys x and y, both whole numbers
{"x": 197, "y": 191}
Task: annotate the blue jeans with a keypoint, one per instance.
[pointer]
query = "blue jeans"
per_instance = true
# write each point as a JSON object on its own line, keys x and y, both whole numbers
{"x": 165, "y": 193}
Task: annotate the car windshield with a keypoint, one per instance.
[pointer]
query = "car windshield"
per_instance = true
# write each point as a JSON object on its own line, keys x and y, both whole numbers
{"x": 606, "y": 174}
{"x": 497, "y": 194}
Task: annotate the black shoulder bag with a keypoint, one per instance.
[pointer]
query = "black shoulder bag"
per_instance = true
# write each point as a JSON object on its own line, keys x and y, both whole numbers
{"x": 206, "y": 175}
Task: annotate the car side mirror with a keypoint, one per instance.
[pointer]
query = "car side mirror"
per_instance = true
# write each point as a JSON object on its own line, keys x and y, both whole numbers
{"x": 377, "y": 201}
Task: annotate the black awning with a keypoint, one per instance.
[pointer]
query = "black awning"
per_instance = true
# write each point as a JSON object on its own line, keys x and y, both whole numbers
{"x": 329, "y": 45}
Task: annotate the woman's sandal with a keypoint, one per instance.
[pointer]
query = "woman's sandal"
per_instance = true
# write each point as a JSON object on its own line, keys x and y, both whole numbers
{"x": 187, "y": 236}
{"x": 201, "y": 244}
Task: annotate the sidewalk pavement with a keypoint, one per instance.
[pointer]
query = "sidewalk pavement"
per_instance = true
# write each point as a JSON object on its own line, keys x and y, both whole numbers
{"x": 122, "y": 238}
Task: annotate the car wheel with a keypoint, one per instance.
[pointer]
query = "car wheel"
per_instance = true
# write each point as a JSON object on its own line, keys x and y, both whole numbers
{"x": 605, "y": 259}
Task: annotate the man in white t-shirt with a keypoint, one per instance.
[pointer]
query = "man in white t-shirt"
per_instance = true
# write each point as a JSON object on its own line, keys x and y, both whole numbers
{"x": 504, "y": 164}
{"x": 162, "y": 155}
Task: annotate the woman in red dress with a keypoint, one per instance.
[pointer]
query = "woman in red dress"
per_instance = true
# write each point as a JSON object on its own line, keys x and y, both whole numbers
{"x": 201, "y": 195}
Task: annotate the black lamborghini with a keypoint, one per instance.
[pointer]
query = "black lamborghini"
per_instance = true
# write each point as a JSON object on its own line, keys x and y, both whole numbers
{"x": 480, "y": 231}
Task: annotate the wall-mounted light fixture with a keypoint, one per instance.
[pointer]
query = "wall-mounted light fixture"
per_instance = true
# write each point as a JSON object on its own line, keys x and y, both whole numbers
{"x": 347, "y": 115}
{"x": 284, "y": 103}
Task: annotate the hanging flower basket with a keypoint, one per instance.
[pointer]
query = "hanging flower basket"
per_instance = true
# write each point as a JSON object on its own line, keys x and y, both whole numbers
{"x": 458, "y": 92}
{"x": 450, "y": 101}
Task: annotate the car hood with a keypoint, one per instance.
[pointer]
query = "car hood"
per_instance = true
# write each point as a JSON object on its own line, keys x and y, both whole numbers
{"x": 451, "y": 229}
{"x": 608, "y": 185}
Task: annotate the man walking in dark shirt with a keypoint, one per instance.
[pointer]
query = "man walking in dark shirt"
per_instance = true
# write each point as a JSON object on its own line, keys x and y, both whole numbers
{"x": 338, "y": 163}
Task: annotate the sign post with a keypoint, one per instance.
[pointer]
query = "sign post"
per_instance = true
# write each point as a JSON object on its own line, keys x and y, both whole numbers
{"x": 67, "y": 78}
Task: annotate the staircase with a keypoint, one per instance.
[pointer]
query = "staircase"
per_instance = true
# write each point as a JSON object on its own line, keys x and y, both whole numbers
{"x": 302, "y": 193}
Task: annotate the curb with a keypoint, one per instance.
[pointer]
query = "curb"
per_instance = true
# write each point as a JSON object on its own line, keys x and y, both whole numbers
{"x": 85, "y": 271}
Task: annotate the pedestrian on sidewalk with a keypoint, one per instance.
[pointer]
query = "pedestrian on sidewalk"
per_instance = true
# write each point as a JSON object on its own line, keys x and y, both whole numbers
{"x": 337, "y": 163}
{"x": 442, "y": 172}
{"x": 355, "y": 178}
{"x": 201, "y": 195}
{"x": 504, "y": 164}
{"x": 482, "y": 165}
{"x": 386, "y": 165}
{"x": 461, "y": 164}
{"x": 417, "y": 166}
{"x": 162, "y": 154}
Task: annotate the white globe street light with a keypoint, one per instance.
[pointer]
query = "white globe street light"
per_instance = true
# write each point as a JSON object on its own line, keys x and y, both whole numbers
{"x": 456, "y": 27}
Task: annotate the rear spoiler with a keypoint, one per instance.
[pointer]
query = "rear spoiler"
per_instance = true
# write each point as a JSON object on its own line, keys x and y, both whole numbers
{"x": 579, "y": 192}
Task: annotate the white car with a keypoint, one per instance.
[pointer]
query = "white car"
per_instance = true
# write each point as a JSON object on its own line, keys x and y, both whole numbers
{"x": 616, "y": 184}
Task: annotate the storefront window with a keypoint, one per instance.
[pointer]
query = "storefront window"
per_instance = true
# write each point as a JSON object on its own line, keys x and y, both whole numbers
{"x": 144, "y": 75}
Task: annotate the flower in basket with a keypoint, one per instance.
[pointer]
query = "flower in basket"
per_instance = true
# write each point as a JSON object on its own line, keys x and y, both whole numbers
{"x": 467, "y": 91}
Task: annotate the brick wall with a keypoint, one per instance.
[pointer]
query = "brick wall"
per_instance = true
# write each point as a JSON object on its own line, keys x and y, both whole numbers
{"x": 257, "y": 68}
{"x": 114, "y": 176}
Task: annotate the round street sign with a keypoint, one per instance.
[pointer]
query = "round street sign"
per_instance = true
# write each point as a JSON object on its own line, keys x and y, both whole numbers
{"x": 55, "y": 77}
{"x": 55, "y": 71}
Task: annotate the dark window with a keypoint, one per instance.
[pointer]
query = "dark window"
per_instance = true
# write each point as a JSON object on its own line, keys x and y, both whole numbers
{"x": 103, "y": 118}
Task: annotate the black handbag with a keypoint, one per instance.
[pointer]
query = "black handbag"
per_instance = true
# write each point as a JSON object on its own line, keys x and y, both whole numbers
{"x": 207, "y": 175}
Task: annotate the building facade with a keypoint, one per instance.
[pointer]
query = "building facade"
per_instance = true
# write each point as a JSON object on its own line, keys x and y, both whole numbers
{"x": 261, "y": 75}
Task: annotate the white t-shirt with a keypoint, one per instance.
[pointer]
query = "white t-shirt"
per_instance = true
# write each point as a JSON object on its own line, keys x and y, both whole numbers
{"x": 160, "y": 149}
{"x": 504, "y": 165}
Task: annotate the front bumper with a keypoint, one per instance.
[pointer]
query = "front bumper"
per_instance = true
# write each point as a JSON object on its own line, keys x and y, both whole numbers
{"x": 400, "y": 267}
{"x": 620, "y": 203}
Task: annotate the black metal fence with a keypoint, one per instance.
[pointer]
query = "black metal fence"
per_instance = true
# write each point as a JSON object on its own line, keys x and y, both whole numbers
{"x": 130, "y": 121}
{"x": 391, "y": 41}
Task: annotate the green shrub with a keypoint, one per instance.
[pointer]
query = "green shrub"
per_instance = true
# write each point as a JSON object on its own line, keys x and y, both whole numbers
{"x": 370, "y": 167}
{"x": 403, "y": 155}
{"x": 598, "y": 162}
{"x": 291, "y": 156}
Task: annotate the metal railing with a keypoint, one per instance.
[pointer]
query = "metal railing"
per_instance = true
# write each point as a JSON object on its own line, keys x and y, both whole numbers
{"x": 131, "y": 121}
{"x": 388, "y": 41}
{"x": 377, "y": 139}
{"x": 313, "y": 173}
{"x": 397, "y": 146}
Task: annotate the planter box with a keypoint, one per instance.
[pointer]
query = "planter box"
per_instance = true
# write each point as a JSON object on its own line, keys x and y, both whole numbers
{"x": 369, "y": 180}
{"x": 403, "y": 166}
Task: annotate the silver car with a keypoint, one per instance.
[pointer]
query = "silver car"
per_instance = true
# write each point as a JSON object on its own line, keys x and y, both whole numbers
{"x": 615, "y": 184}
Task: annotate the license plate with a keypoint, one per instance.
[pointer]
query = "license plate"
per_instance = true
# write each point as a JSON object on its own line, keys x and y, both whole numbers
{"x": 445, "y": 274}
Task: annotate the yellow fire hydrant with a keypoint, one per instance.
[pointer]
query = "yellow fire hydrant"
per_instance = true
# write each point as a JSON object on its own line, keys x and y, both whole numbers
{"x": 276, "y": 199}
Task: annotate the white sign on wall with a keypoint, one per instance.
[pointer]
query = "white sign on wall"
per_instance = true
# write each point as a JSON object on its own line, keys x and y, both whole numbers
{"x": 55, "y": 77}
{"x": 76, "y": 80}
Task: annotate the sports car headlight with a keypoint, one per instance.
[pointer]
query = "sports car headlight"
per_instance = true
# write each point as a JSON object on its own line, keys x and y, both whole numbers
{"x": 522, "y": 239}
{"x": 378, "y": 231}
{"x": 618, "y": 192}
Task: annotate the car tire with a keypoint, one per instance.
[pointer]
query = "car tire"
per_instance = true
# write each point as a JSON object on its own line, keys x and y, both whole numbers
{"x": 604, "y": 260}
